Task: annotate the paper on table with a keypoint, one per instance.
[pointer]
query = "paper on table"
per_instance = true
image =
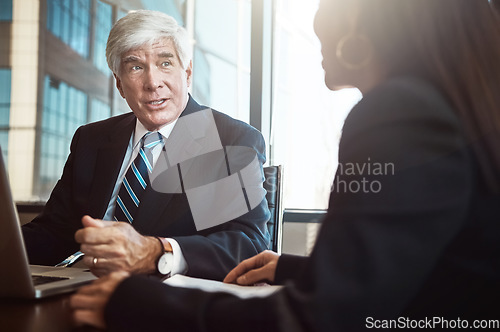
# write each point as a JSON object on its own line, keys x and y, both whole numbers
{"x": 243, "y": 292}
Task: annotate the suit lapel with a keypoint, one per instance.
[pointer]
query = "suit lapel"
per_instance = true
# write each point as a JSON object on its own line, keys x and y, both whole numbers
{"x": 109, "y": 160}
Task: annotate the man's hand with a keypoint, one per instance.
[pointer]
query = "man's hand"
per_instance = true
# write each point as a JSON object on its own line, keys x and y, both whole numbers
{"x": 261, "y": 267}
{"x": 89, "y": 302}
{"x": 117, "y": 246}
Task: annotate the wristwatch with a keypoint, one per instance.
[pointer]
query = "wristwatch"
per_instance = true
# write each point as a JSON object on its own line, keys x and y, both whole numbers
{"x": 165, "y": 262}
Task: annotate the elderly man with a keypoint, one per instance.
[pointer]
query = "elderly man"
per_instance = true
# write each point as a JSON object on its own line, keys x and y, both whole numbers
{"x": 106, "y": 174}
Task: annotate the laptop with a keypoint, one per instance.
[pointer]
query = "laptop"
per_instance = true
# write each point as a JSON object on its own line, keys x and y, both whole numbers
{"x": 18, "y": 279}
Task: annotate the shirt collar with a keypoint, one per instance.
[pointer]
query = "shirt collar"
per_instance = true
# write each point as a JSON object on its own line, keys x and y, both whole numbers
{"x": 140, "y": 131}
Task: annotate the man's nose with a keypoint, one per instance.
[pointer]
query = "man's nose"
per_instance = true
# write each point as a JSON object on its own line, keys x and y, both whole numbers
{"x": 153, "y": 79}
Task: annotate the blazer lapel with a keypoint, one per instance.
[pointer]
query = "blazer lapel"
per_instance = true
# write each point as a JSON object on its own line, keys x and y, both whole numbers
{"x": 109, "y": 160}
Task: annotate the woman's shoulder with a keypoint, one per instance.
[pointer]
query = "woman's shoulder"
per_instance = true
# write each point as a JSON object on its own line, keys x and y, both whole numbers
{"x": 404, "y": 98}
{"x": 412, "y": 88}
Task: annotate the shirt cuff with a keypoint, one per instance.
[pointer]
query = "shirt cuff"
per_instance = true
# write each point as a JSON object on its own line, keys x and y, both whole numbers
{"x": 180, "y": 264}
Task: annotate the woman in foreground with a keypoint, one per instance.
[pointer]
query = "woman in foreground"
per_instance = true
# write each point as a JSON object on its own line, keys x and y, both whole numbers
{"x": 423, "y": 240}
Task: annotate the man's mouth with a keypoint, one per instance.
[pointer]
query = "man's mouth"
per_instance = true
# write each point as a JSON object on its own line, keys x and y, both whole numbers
{"x": 157, "y": 102}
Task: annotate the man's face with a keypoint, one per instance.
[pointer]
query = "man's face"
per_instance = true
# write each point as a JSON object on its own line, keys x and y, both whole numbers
{"x": 154, "y": 84}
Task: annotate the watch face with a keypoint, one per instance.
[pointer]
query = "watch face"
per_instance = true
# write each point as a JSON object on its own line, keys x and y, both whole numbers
{"x": 165, "y": 263}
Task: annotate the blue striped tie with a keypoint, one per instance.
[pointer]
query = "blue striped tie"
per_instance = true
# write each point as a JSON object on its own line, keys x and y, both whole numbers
{"x": 136, "y": 179}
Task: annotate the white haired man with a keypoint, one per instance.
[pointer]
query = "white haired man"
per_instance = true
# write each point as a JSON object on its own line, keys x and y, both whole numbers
{"x": 149, "y": 55}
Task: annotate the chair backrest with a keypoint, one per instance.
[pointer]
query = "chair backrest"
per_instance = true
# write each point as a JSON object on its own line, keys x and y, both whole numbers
{"x": 273, "y": 185}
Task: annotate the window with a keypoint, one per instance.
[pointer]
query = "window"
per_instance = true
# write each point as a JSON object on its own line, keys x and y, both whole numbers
{"x": 221, "y": 75}
{"x": 6, "y": 10}
{"x": 64, "y": 110}
{"x": 102, "y": 26}
{"x": 307, "y": 117}
{"x": 99, "y": 111}
{"x": 4, "y": 110}
{"x": 70, "y": 21}
{"x": 174, "y": 8}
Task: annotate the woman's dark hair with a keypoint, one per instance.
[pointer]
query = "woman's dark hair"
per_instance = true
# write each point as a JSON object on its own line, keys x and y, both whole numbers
{"x": 456, "y": 45}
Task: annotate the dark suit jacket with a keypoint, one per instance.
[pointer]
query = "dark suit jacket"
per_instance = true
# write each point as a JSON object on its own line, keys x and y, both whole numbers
{"x": 90, "y": 174}
{"x": 423, "y": 241}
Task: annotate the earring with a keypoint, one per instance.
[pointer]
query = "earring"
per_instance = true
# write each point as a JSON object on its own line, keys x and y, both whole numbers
{"x": 353, "y": 38}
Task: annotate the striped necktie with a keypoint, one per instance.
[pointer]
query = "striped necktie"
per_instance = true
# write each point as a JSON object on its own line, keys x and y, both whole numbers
{"x": 136, "y": 179}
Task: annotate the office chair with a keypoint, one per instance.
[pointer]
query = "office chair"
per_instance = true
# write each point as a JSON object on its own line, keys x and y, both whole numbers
{"x": 273, "y": 185}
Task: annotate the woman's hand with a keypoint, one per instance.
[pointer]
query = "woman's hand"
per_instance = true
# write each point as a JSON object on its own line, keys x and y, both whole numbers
{"x": 89, "y": 302}
{"x": 259, "y": 268}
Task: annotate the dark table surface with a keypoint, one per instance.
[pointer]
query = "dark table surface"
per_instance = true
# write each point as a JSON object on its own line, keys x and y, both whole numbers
{"x": 52, "y": 314}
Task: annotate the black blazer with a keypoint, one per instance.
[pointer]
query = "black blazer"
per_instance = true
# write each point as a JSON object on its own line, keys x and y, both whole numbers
{"x": 422, "y": 242}
{"x": 90, "y": 174}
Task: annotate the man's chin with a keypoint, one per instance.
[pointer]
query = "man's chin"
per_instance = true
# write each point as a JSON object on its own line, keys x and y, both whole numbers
{"x": 156, "y": 123}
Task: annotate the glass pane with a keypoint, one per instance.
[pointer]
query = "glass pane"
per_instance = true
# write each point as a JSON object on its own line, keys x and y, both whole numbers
{"x": 70, "y": 21}
{"x": 100, "y": 111}
{"x": 223, "y": 86}
{"x": 55, "y": 16}
{"x": 216, "y": 27}
{"x": 66, "y": 22}
{"x": 5, "y": 79}
{"x": 61, "y": 116}
{"x": 221, "y": 60}
{"x": 173, "y": 8}
{"x": 102, "y": 27}
{"x": 307, "y": 117}
{"x": 6, "y": 10}
{"x": 4, "y": 143}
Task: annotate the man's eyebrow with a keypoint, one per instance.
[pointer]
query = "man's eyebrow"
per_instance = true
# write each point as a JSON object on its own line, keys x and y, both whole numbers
{"x": 166, "y": 55}
{"x": 133, "y": 58}
{"x": 130, "y": 58}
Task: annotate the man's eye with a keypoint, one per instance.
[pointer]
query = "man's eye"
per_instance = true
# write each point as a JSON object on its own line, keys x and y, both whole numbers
{"x": 136, "y": 67}
{"x": 166, "y": 64}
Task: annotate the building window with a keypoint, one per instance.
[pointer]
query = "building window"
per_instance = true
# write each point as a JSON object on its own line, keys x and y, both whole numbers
{"x": 4, "y": 111}
{"x": 6, "y": 10}
{"x": 70, "y": 22}
{"x": 64, "y": 110}
{"x": 99, "y": 111}
{"x": 102, "y": 26}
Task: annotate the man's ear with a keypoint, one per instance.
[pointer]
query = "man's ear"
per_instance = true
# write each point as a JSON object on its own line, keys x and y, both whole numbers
{"x": 189, "y": 73}
{"x": 119, "y": 85}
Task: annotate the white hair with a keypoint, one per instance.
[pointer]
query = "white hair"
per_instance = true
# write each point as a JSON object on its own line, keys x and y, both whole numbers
{"x": 145, "y": 27}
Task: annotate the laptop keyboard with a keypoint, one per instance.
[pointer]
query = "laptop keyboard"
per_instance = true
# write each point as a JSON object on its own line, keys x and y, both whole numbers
{"x": 40, "y": 280}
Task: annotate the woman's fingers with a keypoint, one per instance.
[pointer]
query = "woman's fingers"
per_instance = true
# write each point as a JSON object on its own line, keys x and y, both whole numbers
{"x": 262, "y": 266}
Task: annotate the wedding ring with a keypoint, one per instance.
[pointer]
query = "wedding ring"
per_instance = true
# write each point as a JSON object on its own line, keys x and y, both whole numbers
{"x": 94, "y": 261}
